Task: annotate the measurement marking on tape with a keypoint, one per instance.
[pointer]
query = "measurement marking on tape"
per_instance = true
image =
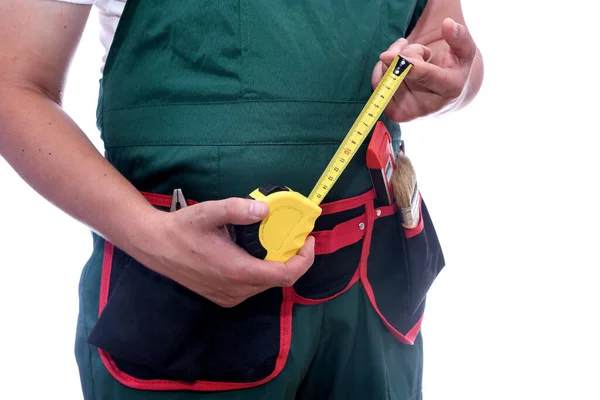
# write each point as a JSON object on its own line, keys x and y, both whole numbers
{"x": 369, "y": 115}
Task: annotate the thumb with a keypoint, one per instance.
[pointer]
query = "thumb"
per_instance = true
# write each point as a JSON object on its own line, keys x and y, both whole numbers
{"x": 233, "y": 210}
{"x": 459, "y": 39}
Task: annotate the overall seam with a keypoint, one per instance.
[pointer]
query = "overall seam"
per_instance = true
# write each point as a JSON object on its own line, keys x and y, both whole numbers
{"x": 219, "y": 172}
{"x": 85, "y": 327}
{"x": 242, "y": 57}
{"x": 239, "y": 102}
{"x": 187, "y": 144}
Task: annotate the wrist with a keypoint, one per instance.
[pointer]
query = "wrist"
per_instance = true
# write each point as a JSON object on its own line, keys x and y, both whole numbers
{"x": 140, "y": 233}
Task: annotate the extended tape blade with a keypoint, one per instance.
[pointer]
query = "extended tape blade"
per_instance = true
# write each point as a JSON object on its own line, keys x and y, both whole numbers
{"x": 361, "y": 128}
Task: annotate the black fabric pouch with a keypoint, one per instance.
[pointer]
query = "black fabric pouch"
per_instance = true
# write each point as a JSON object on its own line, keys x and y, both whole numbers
{"x": 401, "y": 268}
{"x": 331, "y": 272}
{"x": 154, "y": 328}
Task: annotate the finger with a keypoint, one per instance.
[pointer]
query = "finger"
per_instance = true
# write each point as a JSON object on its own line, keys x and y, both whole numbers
{"x": 305, "y": 257}
{"x": 392, "y": 51}
{"x": 297, "y": 266}
{"x": 231, "y": 211}
{"x": 411, "y": 52}
{"x": 459, "y": 39}
{"x": 443, "y": 81}
{"x": 416, "y": 52}
{"x": 278, "y": 274}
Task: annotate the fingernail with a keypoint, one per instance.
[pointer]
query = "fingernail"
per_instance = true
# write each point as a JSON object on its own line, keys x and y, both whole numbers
{"x": 401, "y": 40}
{"x": 455, "y": 30}
{"x": 258, "y": 209}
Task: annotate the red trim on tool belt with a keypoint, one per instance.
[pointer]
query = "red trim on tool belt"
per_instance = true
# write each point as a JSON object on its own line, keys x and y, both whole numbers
{"x": 342, "y": 235}
{"x": 162, "y": 200}
{"x": 326, "y": 242}
{"x": 311, "y": 302}
{"x": 347, "y": 204}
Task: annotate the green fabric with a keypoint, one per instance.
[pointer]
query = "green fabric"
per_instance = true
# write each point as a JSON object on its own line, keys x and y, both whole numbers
{"x": 255, "y": 85}
{"x": 340, "y": 350}
{"x": 219, "y": 97}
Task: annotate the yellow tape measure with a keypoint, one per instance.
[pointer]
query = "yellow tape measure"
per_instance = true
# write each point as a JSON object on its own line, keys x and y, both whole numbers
{"x": 291, "y": 215}
{"x": 366, "y": 120}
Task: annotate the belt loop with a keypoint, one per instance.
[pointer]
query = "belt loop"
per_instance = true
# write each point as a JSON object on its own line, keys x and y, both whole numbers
{"x": 370, "y": 213}
{"x": 364, "y": 257}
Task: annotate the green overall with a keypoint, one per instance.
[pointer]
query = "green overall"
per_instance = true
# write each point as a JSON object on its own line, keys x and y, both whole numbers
{"x": 218, "y": 98}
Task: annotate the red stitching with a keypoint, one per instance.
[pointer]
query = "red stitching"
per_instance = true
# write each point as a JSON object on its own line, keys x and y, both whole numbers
{"x": 305, "y": 301}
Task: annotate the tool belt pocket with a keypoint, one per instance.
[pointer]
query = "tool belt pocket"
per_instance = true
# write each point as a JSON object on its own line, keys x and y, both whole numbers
{"x": 155, "y": 334}
{"x": 339, "y": 241}
{"x": 402, "y": 266}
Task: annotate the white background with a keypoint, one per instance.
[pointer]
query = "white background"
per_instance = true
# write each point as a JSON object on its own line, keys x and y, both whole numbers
{"x": 511, "y": 183}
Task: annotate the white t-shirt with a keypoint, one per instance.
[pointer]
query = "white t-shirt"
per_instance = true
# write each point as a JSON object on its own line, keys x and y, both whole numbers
{"x": 110, "y": 12}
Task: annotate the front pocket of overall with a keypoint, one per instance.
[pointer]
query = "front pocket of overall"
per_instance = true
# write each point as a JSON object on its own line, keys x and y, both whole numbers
{"x": 401, "y": 267}
{"x": 155, "y": 329}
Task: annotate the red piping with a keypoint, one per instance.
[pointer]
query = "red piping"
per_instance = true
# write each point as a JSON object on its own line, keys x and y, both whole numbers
{"x": 163, "y": 200}
{"x": 305, "y": 301}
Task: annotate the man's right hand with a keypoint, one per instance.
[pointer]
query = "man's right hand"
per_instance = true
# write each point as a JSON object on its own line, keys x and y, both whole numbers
{"x": 192, "y": 247}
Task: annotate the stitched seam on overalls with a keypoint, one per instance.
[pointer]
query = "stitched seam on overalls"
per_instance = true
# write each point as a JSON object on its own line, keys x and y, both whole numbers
{"x": 186, "y": 144}
{"x": 84, "y": 314}
{"x": 219, "y": 171}
{"x": 242, "y": 57}
{"x": 238, "y": 102}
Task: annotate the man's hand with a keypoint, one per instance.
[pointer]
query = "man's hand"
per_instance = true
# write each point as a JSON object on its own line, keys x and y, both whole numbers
{"x": 192, "y": 246}
{"x": 437, "y": 78}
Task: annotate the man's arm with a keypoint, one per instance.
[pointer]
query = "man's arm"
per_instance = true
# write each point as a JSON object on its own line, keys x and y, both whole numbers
{"x": 44, "y": 146}
{"x": 50, "y": 152}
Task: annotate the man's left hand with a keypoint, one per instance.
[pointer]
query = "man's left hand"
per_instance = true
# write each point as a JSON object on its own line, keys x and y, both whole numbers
{"x": 439, "y": 75}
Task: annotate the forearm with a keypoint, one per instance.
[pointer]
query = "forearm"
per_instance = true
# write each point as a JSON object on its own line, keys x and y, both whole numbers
{"x": 48, "y": 150}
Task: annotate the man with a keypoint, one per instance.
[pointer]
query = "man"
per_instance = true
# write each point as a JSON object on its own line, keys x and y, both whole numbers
{"x": 217, "y": 98}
